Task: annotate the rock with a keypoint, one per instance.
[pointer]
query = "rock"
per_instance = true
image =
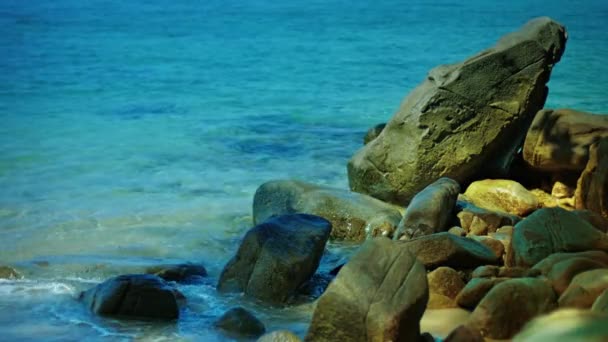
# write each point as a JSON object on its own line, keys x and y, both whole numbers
{"x": 458, "y": 231}
{"x": 445, "y": 249}
{"x": 7, "y": 272}
{"x": 544, "y": 199}
{"x": 486, "y": 271}
{"x": 494, "y": 245}
{"x": 510, "y": 305}
{"x": 315, "y": 286}
{"x": 379, "y": 295}
{"x": 561, "y": 190}
{"x": 134, "y": 296}
{"x": 517, "y": 272}
{"x": 463, "y": 118}
{"x": 276, "y": 257}
{"x": 181, "y": 273}
{"x": 476, "y": 290}
{"x": 444, "y": 285}
{"x": 279, "y": 336}
{"x": 546, "y": 265}
{"x": 566, "y": 325}
{"x": 552, "y": 230}
{"x": 373, "y": 133}
{"x": 353, "y": 216}
{"x": 464, "y": 334}
{"x": 561, "y": 273}
{"x": 592, "y": 187}
{"x": 430, "y": 210}
{"x": 584, "y": 289}
{"x": 594, "y": 218}
{"x": 240, "y": 322}
{"x": 502, "y": 195}
{"x": 601, "y": 303}
{"x": 559, "y": 140}
{"x": 479, "y": 221}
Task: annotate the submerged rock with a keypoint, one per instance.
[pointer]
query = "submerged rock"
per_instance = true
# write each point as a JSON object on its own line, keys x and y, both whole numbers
{"x": 463, "y": 118}
{"x": 276, "y": 257}
{"x": 566, "y": 325}
{"x": 379, "y": 295}
{"x": 181, "y": 273}
{"x": 240, "y": 322}
{"x": 430, "y": 210}
{"x": 353, "y": 216}
{"x": 592, "y": 187}
{"x": 7, "y": 272}
{"x": 552, "y": 230}
{"x": 559, "y": 140}
{"x": 133, "y": 296}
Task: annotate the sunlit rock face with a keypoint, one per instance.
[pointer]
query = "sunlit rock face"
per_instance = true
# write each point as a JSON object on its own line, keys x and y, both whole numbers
{"x": 464, "y": 119}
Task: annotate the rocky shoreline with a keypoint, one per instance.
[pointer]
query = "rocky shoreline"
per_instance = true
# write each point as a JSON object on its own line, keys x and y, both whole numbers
{"x": 473, "y": 197}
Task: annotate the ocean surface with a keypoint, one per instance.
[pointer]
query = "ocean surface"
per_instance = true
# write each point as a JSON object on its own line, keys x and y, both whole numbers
{"x": 135, "y": 133}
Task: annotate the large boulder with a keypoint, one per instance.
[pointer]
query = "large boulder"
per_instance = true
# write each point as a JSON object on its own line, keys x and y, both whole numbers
{"x": 353, "y": 216}
{"x": 584, "y": 289}
{"x": 559, "y": 140}
{"x": 552, "y": 230}
{"x": 592, "y": 186}
{"x": 446, "y": 249}
{"x": 430, "y": 210}
{"x": 134, "y": 296}
{"x": 463, "y": 118}
{"x": 379, "y": 295}
{"x": 502, "y": 195}
{"x": 276, "y": 257}
{"x": 566, "y": 325}
{"x": 510, "y": 305}
{"x": 239, "y": 322}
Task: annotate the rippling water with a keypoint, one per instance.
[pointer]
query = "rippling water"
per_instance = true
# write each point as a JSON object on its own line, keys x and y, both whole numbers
{"x": 136, "y": 132}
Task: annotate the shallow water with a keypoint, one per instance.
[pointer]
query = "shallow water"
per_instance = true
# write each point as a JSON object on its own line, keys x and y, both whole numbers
{"x": 135, "y": 133}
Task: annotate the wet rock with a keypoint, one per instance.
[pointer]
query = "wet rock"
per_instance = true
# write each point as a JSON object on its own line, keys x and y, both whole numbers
{"x": 241, "y": 323}
{"x": 373, "y": 133}
{"x": 276, "y": 257}
{"x": 552, "y": 230}
{"x": 379, "y": 295}
{"x": 353, "y": 216}
{"x": 181, "y": 273}
{"x": 563, "y": 272}
{"x": 479, "y": 221}
{"x": 584, "y": 289}
{"x": 133, "y": 296}
{"x": 559, "y": 140}
{"x": 464, "y": 334}
{"x": 601, "y": 303}
{"x": 476, "y": 290}
{"x": 546, "y": 265}
{"x": 502, "y": 195}
{"x": 566, "y": 325}
{"x": 279, "y": 336}
{"x": 463, "y": 118}
{"x": 444, "y": 285}
{"x": 510, "y": 305}
{"x": 7, "y": 272}
{"x": 445, "y": 249}
{"x": 430, "y": 210}
{"x": 592, "y": 187}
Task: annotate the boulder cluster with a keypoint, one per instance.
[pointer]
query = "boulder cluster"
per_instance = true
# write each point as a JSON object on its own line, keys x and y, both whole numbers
{"x": 472, "y": 197}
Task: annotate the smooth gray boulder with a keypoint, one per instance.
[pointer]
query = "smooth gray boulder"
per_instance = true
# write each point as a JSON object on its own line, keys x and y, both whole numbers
{"x": 133, "y": 296}
{"x": 276, "y": 257}
{"x": 379, "y": 295}
{"x": 430, "y": 210}
{"x": 353, "y": 216}
{"x": 464, "y": 118}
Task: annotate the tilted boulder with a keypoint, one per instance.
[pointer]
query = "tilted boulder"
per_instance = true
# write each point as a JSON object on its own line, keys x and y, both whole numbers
{"x": 276, "y": 257}
{"x": 463, "y": 118}
{"x": 379, "y": 295}
{"x": 353, "y": 216}
{"x": 430, "y": 210}
{"x": 592, "y": 187}
{"x": 559, "y": 140}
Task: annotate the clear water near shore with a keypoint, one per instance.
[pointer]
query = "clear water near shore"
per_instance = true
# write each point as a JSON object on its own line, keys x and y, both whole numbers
{"x": 135, "y": 133}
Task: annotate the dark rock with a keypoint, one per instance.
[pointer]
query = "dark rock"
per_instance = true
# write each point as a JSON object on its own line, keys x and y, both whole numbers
{"x": 546, "y": 265}
{"x": 502, "y": 195}
{"x": 133, "y": 296}
{"x": 353, "y": 216}
{"x": 276, "y": 257}
{"x": 373, "y": 133}
{"x": 559, "y": 140}
{"x": 445, "y": 249}
{"x": 464, "y": 334}
{"x": 552, "y": 230}
{"x": 566, "y": 325}
{"x": 463, "y": 118}
{"x": 240, "y": 322}
{"x": 486, "y": 271}
{"x": 594, "y": 218}
{"x": 592, "y": 187}
{"x": 562, "y": 272}
{"x": 584, "y": 289}
{"x": 430, "y": 210}
{"x": 479, "y": 221}
{"x": 510, "y": 305}
{"x": 7, "y": 272}
{"x": 181, "y": 273}
{"x": 379, "y": 295}
{"x": 476, "y": 290}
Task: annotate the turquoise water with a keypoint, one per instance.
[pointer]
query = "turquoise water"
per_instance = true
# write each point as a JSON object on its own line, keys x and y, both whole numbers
{"x": 135, "y": 133}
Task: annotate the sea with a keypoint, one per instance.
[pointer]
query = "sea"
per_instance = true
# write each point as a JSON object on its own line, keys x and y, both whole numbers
{"x": 135, "y": 133}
